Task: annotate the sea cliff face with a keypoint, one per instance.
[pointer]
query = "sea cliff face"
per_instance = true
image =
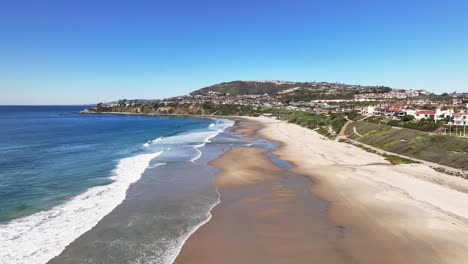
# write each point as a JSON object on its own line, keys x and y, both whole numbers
{"x": 205, "y": 109}
{"x": 328, "y": 125}
{"x": 152, "y": 109}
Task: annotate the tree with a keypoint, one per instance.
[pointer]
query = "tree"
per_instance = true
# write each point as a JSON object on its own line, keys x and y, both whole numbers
{"x": 99, "y": 105}
{"x": 122, "y": 102}
{"x": 408, "y": 118}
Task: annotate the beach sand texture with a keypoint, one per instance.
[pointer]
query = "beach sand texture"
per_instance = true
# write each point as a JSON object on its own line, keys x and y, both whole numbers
{"x": 338, "y": 204}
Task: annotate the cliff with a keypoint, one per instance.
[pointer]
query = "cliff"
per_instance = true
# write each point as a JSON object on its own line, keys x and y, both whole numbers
{"x": 205, "y": 109}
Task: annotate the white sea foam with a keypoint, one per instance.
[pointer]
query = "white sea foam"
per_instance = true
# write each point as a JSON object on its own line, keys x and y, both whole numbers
{"x": 177, "y": 245}
{"x": 219, "y": 126}
{"x": 155, "y": 165}
{"x": 39, "y": 237}
{"x": 214, "y": 129}
{"x": 147, "y": 144}
{"x": 197, "y": 155}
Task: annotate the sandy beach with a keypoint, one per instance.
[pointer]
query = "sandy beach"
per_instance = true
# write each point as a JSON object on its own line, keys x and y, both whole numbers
{"x": 336, "y": 204}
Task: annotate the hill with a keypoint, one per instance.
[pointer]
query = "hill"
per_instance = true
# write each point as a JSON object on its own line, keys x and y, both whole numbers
{"x": 292, "y": 91}
{"x": 247, "y": 87}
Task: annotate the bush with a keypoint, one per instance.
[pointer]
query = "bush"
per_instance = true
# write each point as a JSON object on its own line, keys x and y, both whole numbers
{"x": 393, "y": 122}
{"x": 408, "y": 118}
{"x": 423, "y": 126}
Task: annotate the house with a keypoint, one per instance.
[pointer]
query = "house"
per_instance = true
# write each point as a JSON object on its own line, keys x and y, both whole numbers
{"x": 442, "y": 114}
{"x": 369, "y": 110}
{"x": 425, "y": 114}
{"x": 394, "y": 111}
{"x": 460, "y": 119}
{"x": 457, "y": 101}
{"x": 410, "y": 111}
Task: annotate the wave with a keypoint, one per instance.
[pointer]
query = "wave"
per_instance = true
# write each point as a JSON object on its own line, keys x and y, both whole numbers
{"x": 40, "y": 237}
{"x": 155, "y": 165}
{"x": 217, "y": 127}
{"x": 197, "y": 155}
{"x": 177, "y": 246}
{"x": 148, "y": 143}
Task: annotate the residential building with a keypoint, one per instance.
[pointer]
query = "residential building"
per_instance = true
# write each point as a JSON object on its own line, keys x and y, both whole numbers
{"x": 425, "y": 114}
{"x": 442, "y": 114}
{"x": 460, "y": 119}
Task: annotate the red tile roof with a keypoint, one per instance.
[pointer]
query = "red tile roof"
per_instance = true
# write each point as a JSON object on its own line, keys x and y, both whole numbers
{"x": 426, "y": 112}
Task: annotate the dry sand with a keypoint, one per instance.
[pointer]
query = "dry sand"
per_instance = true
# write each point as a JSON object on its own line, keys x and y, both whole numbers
{"x": 376, "y": 212}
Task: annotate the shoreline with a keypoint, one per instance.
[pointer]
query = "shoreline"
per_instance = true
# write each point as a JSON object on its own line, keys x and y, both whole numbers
{"x": 381, "y": 210}
{"x": 145, "y": 201}
{"x": 447, "y": 169}
{"x": 61, "y": 243}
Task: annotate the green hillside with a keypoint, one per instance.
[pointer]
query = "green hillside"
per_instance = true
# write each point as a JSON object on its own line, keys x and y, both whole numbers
{"x": 246, "y": 87}
{"x": 292, "y": 91}
{"x": 442, "y": 149}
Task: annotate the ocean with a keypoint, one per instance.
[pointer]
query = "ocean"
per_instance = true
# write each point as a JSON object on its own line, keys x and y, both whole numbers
{"x": 141, "y": 183}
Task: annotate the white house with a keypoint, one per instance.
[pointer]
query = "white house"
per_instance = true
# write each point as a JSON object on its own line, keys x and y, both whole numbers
{"x": 460, "y": 119}
{"x": 426, "y": 114}
{"x": 409, "y": 111}
{"x": 369, "y": 110}
{"x": 441, "y": 114}
{"x": 457, "y": 101}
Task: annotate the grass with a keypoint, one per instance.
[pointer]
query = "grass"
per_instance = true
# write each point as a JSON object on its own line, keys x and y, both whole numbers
{"x": 394, "y": 159}
{"x": 426, "y": 126}
{"x": 442, "y": 149}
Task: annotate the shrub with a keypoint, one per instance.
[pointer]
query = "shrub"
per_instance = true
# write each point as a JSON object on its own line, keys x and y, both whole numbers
{"x": 408, "y": 118}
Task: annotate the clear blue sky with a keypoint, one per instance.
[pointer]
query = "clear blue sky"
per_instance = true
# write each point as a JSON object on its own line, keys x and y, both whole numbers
{"x": 59, "y": 52}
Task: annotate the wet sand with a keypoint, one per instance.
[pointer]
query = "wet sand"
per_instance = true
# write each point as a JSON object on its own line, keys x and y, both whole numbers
{"x": 336, "y": 205}
{"x": 266, "y": 215}
{"x": 159, "y": 212}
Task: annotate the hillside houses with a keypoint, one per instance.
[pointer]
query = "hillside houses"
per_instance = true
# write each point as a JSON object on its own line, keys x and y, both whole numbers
{"x": 441, "y": 112}
{"x": 322, "y": 98}
{"x": 394, "y": 94}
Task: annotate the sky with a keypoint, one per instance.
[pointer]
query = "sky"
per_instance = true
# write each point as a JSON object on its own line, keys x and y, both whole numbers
{"x": 89, "y": 51}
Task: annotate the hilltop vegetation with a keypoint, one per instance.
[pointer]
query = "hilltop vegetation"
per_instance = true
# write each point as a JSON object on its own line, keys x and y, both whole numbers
{"x": 246, "y": 87}
{"x": 292, "y": 91}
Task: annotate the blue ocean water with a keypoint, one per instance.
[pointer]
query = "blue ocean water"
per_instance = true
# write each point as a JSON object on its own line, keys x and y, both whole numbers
{"x": 49, "y": 154}
{"x": 62, "y": 173}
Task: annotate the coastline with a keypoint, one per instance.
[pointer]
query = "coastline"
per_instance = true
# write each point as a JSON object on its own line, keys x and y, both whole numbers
{"x": 153, "y": 114}
{"x": 104, "y": 208}
{"x": 448, "y": 170}
{"x": 376, "y": 213}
